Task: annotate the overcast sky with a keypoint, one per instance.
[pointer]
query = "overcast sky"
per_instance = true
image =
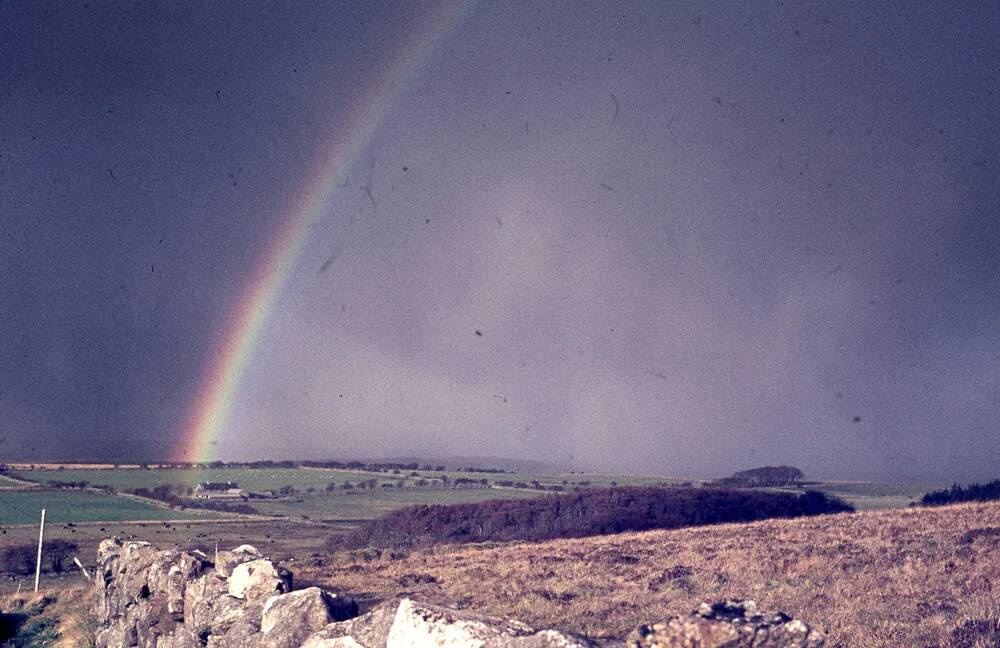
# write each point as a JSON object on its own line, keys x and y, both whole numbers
{"x": 693, "y": 237}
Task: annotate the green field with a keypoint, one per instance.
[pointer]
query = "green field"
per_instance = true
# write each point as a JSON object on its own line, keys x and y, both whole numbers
{"x": 866, "y": 496}
{"x": 61, "y": 507}
{"x": 253, "y": 479}
{"x": 8, "y": 483}
{"x": 872, "y": 495}
{"x": 363, "y": 505}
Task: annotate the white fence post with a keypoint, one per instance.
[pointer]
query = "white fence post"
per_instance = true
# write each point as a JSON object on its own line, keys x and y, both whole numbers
{"x": 38, "y": 561}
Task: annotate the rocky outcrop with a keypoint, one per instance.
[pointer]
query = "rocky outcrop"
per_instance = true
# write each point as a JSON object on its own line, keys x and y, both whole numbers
{"x": 151, "y": 598}
{"x": 154, "y": 598}
{"x": 733, "y": 624}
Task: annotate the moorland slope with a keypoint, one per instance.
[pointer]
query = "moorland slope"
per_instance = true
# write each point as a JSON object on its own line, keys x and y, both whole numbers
{"x": 911, "y": 577}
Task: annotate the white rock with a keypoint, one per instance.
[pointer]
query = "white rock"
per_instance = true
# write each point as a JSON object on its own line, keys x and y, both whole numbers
{"x": 246, "y": 549}
{"x": 417, "y": 625}
{"x": 254, "y": 579}
{"x": 336, "y": 642}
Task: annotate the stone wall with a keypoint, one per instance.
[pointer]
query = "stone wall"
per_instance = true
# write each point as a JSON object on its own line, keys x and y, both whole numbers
{"x": 153, "y": 598}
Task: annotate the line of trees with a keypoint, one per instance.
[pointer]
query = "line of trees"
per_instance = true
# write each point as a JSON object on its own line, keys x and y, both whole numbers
{"x": 958, "y": 493}
{"x": 584, "y": 513}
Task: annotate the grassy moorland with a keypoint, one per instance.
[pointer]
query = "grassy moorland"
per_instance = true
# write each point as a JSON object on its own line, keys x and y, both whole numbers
{"x": 875, "y": 579}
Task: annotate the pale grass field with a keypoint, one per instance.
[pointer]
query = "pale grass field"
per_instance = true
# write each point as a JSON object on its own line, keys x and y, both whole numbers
{"x": 871, "y": 579}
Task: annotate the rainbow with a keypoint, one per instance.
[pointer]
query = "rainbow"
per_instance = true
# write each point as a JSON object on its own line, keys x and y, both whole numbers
{"x": 226, "y": 368}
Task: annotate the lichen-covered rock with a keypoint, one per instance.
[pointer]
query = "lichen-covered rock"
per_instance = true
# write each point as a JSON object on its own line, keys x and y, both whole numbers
{"x": 148, "y": 598}
{"x": 733, "y": 624}
{"x": 417, "y": 624}
{"x": 289, "y": 619}
{"x": 114, "y": 636}
{"x": 169, "y": 574}
{"x": 208, "y": 608}
{"x": 545, "y": 639}
{"x": 258, "y": 579}
{"x": 242, "y": 634}
{"x": 182, "y": 637}
{"x": 133, "y": 570}
{"x": 334, "y": 642}
{"x": 226, "y": 561}
{"x": 370, "y": 630}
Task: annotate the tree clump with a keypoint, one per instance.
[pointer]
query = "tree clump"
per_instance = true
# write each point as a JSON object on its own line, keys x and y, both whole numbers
{"x": 764, "y": 476}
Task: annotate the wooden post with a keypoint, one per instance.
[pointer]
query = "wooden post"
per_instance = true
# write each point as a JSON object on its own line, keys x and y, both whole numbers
{"x": 38, "y": 561}
{"x": 82, "y": 568}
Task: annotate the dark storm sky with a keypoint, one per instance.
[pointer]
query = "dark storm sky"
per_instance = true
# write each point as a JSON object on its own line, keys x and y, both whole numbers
{"x": 694, "y": 237}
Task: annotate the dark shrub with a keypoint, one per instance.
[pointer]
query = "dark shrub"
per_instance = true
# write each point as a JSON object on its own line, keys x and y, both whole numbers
{"x": 19, "y": 560}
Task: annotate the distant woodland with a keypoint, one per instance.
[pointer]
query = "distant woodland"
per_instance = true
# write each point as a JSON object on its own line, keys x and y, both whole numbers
{"x": 589, "y": 512}
{"x": 959, "y": 493}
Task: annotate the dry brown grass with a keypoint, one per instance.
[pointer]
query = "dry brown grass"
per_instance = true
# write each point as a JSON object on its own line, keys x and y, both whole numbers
{"x": 77, "y": 628}
{"x": 60, "y": 616}
{"x": 907, "y": 577}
